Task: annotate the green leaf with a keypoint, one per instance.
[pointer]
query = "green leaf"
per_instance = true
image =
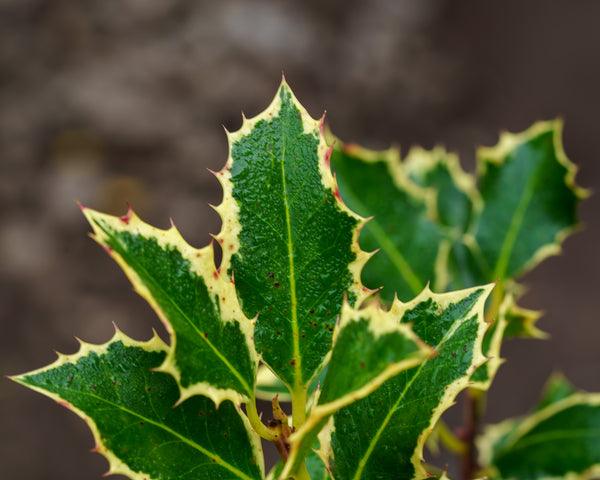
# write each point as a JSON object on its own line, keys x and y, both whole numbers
{"x": 370, "y": 347}
{"x": 529, "y": 198}
{"x": 457, "y": 198}
{"x": 561, "y": 439}
{"x": 382, "y": 435}
{"x": 130, "y": 409}
{"x": 492, "y": 342}
{"x": 521, "y": 323}
{"x": 212, "y": 353}
{"x": 402, "y": 228}
{"x": 287, "y": 239}
{"x": 557, "y": 388}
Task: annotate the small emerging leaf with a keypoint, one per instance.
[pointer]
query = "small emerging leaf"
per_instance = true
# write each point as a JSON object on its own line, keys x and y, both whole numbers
{"x": 130, "y": 410}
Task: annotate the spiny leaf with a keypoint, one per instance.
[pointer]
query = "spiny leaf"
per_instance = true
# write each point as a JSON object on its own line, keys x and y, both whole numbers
{"x": 370, "y": 347}
{"x": 211, "y": 352}
{"x": 287, "y": 238}
{"x": 382, "y": 435}
{"x": 129, "y": 408}
{"x": 560, "y": 439}
{"x": 521, "y": 323}
{"x": 492, "y": 341}
{"x": 457, "y": 197}
{"x": 529, "y": 197}
{"x": 403, "y": 229}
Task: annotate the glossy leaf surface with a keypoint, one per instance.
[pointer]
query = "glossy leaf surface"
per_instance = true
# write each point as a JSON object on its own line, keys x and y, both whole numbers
{"x": 212, "y": 352}
{"x": 371, "y": 346}
{"x": 402, "y": 228}
{"x": 130, "y": 410}
{"x": 287, "y": 239}
{"x": 382, "y": 435}
{"x": 529, "y": 198}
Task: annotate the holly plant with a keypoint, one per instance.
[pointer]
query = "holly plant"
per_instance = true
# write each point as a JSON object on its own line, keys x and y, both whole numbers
{"x": 360, "y": 303}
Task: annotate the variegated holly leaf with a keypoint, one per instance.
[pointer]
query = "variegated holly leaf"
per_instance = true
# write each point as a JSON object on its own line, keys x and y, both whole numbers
{"x": 456, "y": 194}
{"x": 287, "y": 239}
{"x": 138, "y": 425}
{"x": 370, "y": 347}
{"x": 521, "y": 322}
{"x": 560, "y": 439}
{"x": 211, "y": 350}
{"x": 530, "y": 199}
{"x": 383, "y": 434}
{"x": 402, "y": 228}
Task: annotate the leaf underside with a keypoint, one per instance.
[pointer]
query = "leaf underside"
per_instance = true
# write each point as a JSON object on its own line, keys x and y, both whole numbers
{"x": 130, "y": 409}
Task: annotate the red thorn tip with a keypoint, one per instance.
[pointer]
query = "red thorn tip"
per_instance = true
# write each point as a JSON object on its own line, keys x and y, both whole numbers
{"x": 81, "y": 205}
{"x": 172, "y": 223}
{"x": 322, "y": 124}
{"x": 328, "y": 157}
{"x": 225, "y": 128}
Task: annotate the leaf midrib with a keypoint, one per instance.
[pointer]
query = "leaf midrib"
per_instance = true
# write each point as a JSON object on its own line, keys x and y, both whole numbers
{"x": 188, "y": 320}
{"x": 365, "y": 458}
{"x": 514, "y": 228}
{"x": 185, "y": 440}
{"x": 290, "y": 250}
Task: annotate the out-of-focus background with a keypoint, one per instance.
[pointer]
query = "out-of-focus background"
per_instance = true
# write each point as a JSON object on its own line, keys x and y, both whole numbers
{"x": 109, "y": 102}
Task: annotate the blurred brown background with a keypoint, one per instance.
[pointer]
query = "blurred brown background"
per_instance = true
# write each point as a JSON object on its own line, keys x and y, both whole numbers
{"x": 113, "y": 101}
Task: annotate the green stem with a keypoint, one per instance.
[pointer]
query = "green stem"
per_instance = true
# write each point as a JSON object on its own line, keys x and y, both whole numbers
{"x": 301, "y": 473}
{"x": 298, "y": 406}
{"x": 257, "y": 424}
{"x": 449, "y": 439}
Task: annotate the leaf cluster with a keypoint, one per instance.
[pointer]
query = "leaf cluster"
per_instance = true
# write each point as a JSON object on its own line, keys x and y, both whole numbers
{"x": 324, "y": 297}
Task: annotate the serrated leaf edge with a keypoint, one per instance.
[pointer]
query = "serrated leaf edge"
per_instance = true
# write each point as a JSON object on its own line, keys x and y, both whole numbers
{"x": 423, "y": 161}
{"x": 530, "y": 317}
{"x": 460, "y": 384}
{"x": 494, "y": 361}
{"x": 380, "y": 323}
{"x": 202, "y": 260}
{"x": 116, "y": 466}
{"x": 492, "y": 433}
{"x": 228, "y": 209}
{"x": 428, "y": 196}
{"x": 507, "y": 143}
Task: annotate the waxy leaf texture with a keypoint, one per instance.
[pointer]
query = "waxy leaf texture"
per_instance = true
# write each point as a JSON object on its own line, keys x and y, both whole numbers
{"x": 211, "y": 350}
{"x": 285, "y": 316}
{"x": 130, "y": 410}
{"x": 287, "y": 239}
{"x": 382, "y": 435}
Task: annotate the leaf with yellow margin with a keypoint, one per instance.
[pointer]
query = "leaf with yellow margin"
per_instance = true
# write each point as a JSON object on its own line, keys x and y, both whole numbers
{"x": 130, "y": 410}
